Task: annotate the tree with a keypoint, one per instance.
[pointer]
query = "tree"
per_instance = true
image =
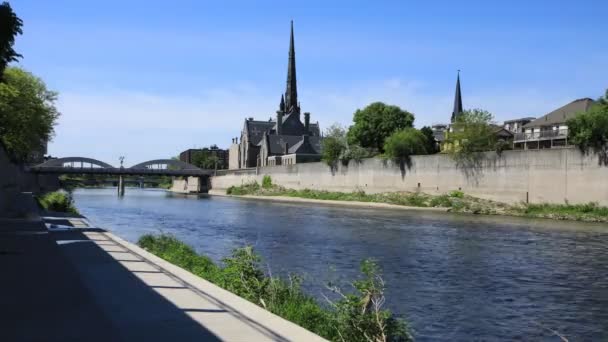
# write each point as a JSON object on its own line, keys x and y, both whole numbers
{"x": 471, "y": 133}
{"x": 27, "y": 113}
{"x": 374, "y": 123}
{"x": 603, "y": 99}
{"x": 333, "y": 144}
{"x": 205, "y": 160}
{"x": 10, "y": 27}
{"x": 405, "y": 143}
{"x": 589, "y": 131}
{"x": 431, "y": 143}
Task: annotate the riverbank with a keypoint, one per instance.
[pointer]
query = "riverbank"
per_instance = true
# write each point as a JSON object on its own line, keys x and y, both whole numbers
{"x": 454, "y": 201}
{"x": 351, "y": 318}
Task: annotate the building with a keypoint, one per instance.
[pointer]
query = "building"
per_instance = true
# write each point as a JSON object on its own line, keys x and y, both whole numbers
{"x": 550, "y": 130}
{"x": 222, "y": 155}
{"x": 284, "y": 139}
{"x": 516, "y": 125}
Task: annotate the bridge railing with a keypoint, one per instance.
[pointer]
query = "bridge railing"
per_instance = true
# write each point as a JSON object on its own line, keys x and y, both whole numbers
{"x": 247, "y": 171}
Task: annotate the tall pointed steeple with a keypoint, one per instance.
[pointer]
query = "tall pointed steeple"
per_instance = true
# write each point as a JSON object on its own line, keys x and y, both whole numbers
{"x": 282, "y": 104}
{"x": 291, "y": 92}
{"x": 457, "y": 100}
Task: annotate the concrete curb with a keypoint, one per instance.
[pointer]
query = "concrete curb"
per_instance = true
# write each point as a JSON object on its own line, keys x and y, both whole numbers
{"x": 278, "y": 328}
{"x": 356, "y": 204}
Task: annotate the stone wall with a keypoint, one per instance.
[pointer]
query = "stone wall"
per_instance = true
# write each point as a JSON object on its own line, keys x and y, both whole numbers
{"x": 540, "y": 176}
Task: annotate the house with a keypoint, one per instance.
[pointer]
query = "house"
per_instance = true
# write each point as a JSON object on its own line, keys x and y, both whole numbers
{"x": 516, "y": 125}
{"x": 550, "y": 130}
{"x": 282, "y": 140}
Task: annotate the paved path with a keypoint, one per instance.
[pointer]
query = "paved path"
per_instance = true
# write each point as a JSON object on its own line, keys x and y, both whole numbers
{"x": 80, "y": 285}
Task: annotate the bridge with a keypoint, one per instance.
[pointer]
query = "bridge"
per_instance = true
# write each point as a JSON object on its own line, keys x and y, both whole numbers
{"x": 84, "y": 166}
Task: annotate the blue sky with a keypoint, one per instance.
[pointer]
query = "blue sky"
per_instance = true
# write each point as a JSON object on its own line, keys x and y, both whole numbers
{"x": 148, "y": 79}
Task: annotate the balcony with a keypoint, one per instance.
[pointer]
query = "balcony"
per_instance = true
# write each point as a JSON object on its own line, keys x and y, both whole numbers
{"x": 542, "y": 135}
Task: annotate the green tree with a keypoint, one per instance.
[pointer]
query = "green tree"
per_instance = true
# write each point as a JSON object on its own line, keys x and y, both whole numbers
{"x": 472, "y": 132}
{"x": 603, "y": 99}
{"x": 205, "y": 160}
{"x": 402, "y": 144}
{"x": 373, "y": 124}
{"x": 333, "y": 144}
{"x": 431, "y": 143}
{"x": 589, "y": 131}
{"x": 27, "y": 113}
{"x": 10, "y": 27}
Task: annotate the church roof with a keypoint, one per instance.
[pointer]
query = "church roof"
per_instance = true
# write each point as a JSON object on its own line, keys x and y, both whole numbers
{"x": 307, "y": 145}
{"x": 457, "y": 99}
{"x": 295, "y": 144}
{"x": 255, "y": 130}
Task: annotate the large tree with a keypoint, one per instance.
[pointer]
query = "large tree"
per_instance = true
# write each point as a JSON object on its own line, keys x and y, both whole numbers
{"x": 10, "y": 26}
{"x": 373, "y": 124}
{"x": 27, "y": 113}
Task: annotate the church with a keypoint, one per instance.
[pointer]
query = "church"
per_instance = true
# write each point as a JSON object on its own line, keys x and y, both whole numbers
{"x": 282, "y": 140}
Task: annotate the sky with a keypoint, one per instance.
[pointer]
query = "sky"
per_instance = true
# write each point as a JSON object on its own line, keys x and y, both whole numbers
{"x": 149, "y": 79}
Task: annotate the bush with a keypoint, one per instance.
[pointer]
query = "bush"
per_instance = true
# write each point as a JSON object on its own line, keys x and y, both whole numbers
{"x": 402, "y": 144}
{"x": 355, "y": 317}
{"x": 589, "y": 131}
{"x": 59, "y": 201}
{"x": 456, "y": 194}
{"x": 266, "y": 182}
{"x": 246, "y": 189}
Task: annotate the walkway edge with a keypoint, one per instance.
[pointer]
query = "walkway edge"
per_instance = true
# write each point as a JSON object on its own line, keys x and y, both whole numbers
{"x": 330, "y": 202}
{"x": 254, "y": 314}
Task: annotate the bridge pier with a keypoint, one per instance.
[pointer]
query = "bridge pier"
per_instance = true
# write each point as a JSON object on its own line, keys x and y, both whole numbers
{"x": 121, "y": 186}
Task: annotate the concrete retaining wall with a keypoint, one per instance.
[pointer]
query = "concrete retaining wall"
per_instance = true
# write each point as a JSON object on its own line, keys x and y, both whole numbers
{"x": 14, "y": 181}
{"x": 540, "y": 176}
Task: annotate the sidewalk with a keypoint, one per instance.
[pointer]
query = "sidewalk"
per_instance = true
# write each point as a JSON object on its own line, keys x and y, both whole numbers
{"x": 41, "y": 297}
{"x": 89, "y": 285}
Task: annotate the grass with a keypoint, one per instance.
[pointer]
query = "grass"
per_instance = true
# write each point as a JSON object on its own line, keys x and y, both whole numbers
{"x": 242, "y": 274}
{"x": 580, "y": 212}
{"x": 456, "y": 201}
{"x": 59, "y": 201}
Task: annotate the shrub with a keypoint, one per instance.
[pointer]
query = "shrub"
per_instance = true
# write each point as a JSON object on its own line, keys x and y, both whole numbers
{"x": 402, "y": 144}
{"x": 456, "y": 194}
{"x": 589, "y": 131}
{"x": 245, "y": 189}
{"x": 59, "y": 201}
{"x": 266, "y": 182}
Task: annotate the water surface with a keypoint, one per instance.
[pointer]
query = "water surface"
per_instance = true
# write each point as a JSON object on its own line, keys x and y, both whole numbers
{"x": 454, "y": 277}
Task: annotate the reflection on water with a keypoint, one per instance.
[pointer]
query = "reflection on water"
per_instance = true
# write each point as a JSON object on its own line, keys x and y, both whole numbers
{"x": 454, "y": 277}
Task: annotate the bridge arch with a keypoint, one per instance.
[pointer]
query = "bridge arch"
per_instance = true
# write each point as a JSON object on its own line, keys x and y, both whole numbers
{"x": 169, "y": 163}
{"x": 60, "y": 162}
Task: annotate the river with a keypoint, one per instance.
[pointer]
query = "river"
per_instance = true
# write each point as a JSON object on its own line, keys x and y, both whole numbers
{"x": 453, "y": 277}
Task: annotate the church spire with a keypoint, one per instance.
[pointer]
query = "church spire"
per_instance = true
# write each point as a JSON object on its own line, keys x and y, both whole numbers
{"x": 291, "y": 92}
{"x": 457, "y": 99}
{"x": 282, "y": 104}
